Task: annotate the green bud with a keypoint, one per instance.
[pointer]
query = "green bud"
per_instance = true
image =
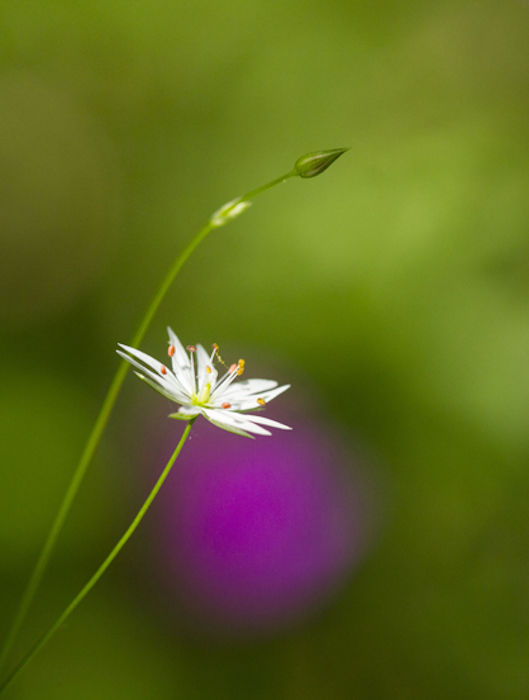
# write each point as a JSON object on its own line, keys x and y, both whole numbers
{"x": 313, "y": 164}
{"x": 229, "y": 211}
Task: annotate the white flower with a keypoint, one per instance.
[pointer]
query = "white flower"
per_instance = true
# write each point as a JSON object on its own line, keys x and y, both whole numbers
{"x": 194, "y": 383}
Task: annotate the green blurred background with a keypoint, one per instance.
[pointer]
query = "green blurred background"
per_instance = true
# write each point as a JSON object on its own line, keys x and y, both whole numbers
{"x": 395, "y": 286}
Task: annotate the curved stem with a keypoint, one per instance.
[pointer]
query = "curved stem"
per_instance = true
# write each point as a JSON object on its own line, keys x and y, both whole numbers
{"x": 104, "y": 566}
{"x": 90, "y": 447}
{"x": 100, "y": 425}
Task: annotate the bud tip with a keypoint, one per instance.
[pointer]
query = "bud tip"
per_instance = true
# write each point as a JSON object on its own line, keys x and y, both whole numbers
{"x": 312, "y": 164}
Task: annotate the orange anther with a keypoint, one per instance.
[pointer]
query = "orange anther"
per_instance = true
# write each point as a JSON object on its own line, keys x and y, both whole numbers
{"x": 171, "y": 350}
{"x": 214, "y": 346}
{"x": 261, "y": 402}
{"x": 191, "y": 348}
{"x": 226, "y": 405}
{"x": 208, "y": 369}
{"x": 163, "y": 369}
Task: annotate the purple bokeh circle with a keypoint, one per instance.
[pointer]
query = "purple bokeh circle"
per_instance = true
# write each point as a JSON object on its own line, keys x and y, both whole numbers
{"x": 252, "y": 534}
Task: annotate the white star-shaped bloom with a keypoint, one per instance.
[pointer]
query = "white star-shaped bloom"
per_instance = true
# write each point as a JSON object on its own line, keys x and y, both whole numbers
{"x": 195, "y": 384}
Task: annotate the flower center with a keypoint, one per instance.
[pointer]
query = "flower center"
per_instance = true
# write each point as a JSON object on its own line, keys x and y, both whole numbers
{"x": 202, "y": 398}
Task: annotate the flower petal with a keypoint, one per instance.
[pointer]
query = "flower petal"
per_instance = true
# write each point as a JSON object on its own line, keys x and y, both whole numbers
{"x": 250, "y": 386}
{"x": 225, "y": 426}
{"x": 167, "y": 382}
{"x": 228, "y": 420}
{"x": 203, "y": 363}
{"x": 157, "y": 387}
{"x": 245, "y": 403}
{"x": 151, "y": 362}
{"x": 186, "y": 413}
{"x": 181, "y": 364}
{"x": 180, "y": 355}
{"x": 262, "y": 420}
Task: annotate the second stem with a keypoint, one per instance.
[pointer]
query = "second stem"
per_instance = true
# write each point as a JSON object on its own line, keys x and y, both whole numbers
{"x": 104, "y": 566}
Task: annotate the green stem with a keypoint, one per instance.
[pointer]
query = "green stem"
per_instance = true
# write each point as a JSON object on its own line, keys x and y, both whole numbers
{"x": 100, "y": 425}
{"x": 104, "y": 566}
{"x": 90, "y": 447}
{"x": 253, "y": 193}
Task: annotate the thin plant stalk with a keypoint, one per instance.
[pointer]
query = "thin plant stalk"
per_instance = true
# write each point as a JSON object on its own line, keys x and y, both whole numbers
{"x": 307, "y": 166}
{"x": 104, "y": 566}
{"x": 224, "y": 215}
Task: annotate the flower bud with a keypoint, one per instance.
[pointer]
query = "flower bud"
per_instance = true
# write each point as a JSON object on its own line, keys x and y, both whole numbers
{"x": 229, "y": 211}
{"x": 315, "y": 163}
